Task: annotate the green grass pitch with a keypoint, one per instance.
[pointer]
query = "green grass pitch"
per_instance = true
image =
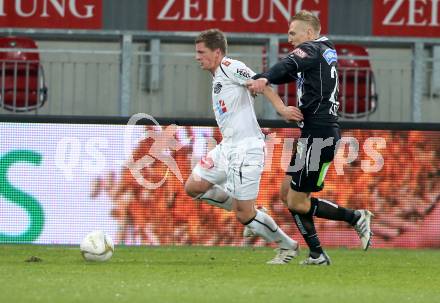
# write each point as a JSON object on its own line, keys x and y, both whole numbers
{"x": 216, "y": 274}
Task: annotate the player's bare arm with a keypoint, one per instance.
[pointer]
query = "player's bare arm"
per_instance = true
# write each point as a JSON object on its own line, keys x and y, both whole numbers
{"x": 289, "y": 113}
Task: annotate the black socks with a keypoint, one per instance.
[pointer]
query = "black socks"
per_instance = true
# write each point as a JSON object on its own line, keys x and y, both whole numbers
{"x": 307, "y": 228}
{"x": 329, "y": 210}
{"x": 323, "y": 209}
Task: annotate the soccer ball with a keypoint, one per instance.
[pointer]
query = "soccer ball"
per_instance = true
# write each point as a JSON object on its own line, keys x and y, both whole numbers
{"x": 97, "y": 246}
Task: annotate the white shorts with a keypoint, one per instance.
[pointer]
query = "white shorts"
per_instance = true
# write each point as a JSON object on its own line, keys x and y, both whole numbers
{"x": 237, "y": 168}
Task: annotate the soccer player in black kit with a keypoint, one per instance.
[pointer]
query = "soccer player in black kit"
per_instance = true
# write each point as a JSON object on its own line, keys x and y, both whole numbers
{"x": 312, "y": 64}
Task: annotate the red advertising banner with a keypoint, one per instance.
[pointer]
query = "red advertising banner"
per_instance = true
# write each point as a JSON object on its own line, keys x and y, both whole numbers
{"x": 72, "y": 14}
{"x": 256, "y": 16}
{"x": 419, "y": 18}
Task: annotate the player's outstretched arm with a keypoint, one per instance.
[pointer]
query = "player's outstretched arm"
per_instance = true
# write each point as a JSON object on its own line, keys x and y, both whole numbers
{"x": 289, "y": 113}
{"x": 282, "y": 72}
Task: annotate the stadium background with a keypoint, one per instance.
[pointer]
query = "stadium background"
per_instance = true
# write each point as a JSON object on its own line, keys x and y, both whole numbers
{"x": 61, "y": 180}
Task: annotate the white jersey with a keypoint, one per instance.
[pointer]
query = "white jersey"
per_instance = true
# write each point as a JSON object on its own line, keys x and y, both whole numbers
{"x": 233, "y": 104}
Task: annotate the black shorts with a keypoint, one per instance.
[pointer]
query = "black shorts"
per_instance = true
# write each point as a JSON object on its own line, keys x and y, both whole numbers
{"x": 315, "y": 151}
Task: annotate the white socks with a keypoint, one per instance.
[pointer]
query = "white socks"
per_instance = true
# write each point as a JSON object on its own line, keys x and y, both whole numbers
{"x": 218, "y": 197}
{"x": 264, "y": 226}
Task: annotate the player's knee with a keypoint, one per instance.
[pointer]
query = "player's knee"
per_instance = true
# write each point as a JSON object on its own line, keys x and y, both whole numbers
{"x": 244, "y": 216}
{"x": 298, "y": 202}
{"x": 283, "y": 196}
{"x": 300, "y": 208}
{"x": 191, "y": 189}
{"x": 284, "y": 190}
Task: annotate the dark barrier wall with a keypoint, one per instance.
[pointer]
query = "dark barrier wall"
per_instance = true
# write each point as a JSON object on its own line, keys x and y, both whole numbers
{"x": 60, "y": 181}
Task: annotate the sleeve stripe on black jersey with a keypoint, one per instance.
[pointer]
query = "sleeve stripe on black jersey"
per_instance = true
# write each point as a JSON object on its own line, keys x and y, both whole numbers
{"x": 223, "y": 71}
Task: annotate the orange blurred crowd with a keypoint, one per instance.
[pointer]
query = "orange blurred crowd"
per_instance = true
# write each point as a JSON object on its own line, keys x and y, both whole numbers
{"x": 404, "y": 194}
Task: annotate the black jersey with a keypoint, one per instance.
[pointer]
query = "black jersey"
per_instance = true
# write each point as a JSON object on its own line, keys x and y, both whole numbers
{"x": 313, "y": 66}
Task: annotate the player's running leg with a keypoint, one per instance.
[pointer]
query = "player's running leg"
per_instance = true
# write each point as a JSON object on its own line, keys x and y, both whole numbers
{"x": 216, "y": 196}
{"x": 207, "y": 178}
{"x": 298, "y": 207}
{"x": 261, "y": 224}
{"x": 247, "y": 232}
{"x": 359, "y": 219}
{"x": 202, "y": 189}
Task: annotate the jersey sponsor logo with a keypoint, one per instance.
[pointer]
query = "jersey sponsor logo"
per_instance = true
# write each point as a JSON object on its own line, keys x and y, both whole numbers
{"x": 226, "y": 63}
{"x": 243, "y": 73}
{"x": 330, "y": 56}
{"x": 221, "y": 107}
{"x": 299, "y": 52}
{"x": 217, "y": 88}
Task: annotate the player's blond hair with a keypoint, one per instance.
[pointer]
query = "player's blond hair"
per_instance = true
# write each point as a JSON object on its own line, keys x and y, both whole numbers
{"x": 213, "y": 39}
{"x": 308, "y": 17}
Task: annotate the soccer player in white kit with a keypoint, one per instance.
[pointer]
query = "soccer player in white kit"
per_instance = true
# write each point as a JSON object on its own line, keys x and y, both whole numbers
{"x": 229, "y": 176}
